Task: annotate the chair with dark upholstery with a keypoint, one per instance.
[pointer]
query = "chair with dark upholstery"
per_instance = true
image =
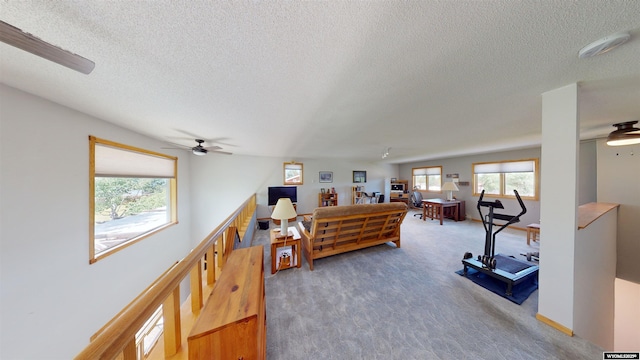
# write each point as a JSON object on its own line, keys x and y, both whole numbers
{"x": 416, "y": 202}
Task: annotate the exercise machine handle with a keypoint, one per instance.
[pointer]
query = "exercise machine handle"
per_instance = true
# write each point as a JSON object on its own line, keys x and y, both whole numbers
{"x": 524, "y": 208}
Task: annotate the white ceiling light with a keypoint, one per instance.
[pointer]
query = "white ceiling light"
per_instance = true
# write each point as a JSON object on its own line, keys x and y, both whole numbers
{"x": 603, "y": 45}
{"x": 199, "y": 151}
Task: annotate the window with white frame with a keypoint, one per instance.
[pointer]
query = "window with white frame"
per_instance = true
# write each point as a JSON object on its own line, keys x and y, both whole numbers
{"x": 499, "y": 179}
{"x": 427, "y": 178}
{"x": 132, "y": 194}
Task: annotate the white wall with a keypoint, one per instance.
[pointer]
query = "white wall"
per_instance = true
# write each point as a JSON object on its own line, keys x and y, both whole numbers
{"x": 221, "y": 183}
{"x": 619, "y": 182}
{"x": 587, "y": 173}
{"x": 463, "y": 166}
{"x": 627, "y": 316}
{"x": 618, "y": 174}
{"x": 594, "y": 284}
{"x": 558, "y": 210}
{"x": 52, "y": 299}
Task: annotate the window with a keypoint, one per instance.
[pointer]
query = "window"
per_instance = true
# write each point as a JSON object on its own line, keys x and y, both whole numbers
{"x": 292, "y": 173}
{"x": 148, "y": 335}
{"x": 499, "y": 179}
{"x": 132, "y": 194}
{"x": 428, "y": 178}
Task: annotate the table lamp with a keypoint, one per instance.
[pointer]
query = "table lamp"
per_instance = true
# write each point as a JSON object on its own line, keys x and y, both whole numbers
{"x": 450, "y": 187}
{"x": 284, "y": 211}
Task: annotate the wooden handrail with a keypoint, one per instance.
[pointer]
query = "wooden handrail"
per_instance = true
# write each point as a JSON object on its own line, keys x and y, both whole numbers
{"x": 119, "y": 332}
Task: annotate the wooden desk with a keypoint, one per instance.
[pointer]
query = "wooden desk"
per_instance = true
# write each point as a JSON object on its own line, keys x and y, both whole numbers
{"x": 293, "y": 240}
{"x": 434, "y": 209}
{"x": 399, "y": 197}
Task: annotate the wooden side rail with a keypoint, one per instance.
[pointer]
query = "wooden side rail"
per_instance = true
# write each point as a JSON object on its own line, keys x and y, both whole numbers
{"x": 118, "y": 335}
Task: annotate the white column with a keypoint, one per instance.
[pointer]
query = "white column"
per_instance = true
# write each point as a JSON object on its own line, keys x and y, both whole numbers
{"x": 558, "y": 204}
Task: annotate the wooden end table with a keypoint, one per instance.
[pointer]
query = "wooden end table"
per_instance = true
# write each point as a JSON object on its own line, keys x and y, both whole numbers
{"x": 293, "y": 240}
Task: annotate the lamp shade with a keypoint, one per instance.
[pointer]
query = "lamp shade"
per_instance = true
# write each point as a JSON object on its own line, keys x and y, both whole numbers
{"x": 626, "y": 134}
{"x": 284, "y": 210}
{"x": 450, "y": 186}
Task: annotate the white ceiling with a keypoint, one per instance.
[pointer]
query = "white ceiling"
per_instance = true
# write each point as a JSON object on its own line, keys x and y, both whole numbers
{"x": 312, "y": 79}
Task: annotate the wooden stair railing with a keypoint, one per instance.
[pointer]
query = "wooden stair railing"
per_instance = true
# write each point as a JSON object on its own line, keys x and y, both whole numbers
{"x": 117, "y": 337}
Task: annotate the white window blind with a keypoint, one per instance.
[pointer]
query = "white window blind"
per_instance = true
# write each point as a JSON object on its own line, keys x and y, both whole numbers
{"x": 114, "y": 162}
{"x": 426, "y": 171}
{"x": 505, "y": 167}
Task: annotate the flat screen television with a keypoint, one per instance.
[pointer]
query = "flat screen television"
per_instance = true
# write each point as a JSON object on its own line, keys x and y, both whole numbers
{"x": 277, "y": 192}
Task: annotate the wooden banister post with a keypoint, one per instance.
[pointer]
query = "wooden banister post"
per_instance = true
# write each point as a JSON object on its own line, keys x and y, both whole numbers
{"x": 196, "y": 287}
{"x": 211, "y": 266}
{"x": 130, "y": 352}
{"x": 222, "y": 258}
{"x": 172, "y": 329}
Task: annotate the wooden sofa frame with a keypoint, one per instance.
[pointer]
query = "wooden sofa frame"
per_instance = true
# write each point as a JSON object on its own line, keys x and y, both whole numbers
{"x": 338, "y": 229}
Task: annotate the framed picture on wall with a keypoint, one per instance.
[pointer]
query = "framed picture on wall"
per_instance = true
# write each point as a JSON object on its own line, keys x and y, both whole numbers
{"x": 359, "y": 176}
{"x": 326, "y": 176}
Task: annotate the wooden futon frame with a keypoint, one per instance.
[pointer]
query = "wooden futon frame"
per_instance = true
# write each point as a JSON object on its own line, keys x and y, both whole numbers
{"x": 338, "y": 229}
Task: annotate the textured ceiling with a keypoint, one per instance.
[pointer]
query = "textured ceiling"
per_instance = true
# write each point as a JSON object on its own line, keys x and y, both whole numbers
{"x": 332, "y": 79}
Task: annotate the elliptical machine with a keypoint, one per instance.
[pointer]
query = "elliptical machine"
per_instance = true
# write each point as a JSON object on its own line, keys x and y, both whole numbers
{"x": 507, "y": 269}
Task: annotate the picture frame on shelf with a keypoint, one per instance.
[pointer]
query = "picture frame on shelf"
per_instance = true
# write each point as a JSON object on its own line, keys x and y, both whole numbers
{"x": 322, "y": 191}
{"x": 326, "y": 176}
{"x": 394, "y": 180}
{"x": 359, "y": 176}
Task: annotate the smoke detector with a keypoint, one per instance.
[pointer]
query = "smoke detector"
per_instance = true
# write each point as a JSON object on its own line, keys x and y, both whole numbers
{"x": 603, "y": 45}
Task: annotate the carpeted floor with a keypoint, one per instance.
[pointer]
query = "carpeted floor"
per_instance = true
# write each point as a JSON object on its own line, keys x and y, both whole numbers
{"x": 407, "y": 303}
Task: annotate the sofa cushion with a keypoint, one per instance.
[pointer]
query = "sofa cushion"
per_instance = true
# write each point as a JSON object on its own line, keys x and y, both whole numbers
{"x": 346, "y": 210}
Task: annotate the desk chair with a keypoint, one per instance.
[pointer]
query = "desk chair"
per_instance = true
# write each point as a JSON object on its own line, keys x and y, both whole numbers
{"x": 416, "y": 202}
{"x": 372, "y": 198}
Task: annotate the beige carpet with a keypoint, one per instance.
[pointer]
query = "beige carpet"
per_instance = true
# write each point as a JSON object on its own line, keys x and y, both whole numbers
{"x": 407, "y": 303}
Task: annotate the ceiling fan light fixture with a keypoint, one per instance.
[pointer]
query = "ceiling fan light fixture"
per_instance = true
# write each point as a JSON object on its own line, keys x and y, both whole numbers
{"x": 199, "y": 151}
{"x": 626, "y": 134}
{"x": 603, "y": 45}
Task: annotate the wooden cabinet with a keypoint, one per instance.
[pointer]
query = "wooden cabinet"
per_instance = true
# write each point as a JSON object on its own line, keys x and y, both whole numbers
{"x": 462, "y": 212}
{"x": 400, "y": 191}
{"x": 327, "y": 199}
{"x": 233, "y": 323}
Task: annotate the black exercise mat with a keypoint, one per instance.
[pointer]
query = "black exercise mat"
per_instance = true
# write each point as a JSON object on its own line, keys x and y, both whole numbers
{"x": 520, "y": 292}
{"x": 510, "y": 265}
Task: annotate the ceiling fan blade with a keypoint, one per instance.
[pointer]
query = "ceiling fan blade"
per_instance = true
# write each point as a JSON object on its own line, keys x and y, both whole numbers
{"x": 213, "y": 148}
{"x": 178, "y": 146}
{"x": 220, "y": 152}
{"x": 27, "y": 42}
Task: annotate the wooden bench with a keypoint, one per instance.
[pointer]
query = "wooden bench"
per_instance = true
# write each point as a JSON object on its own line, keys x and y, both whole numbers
{"x": 338, "y": 229}
{"x": 533, "y": 233}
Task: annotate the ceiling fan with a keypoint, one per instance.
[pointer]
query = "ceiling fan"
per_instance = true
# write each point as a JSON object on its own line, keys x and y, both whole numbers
{"x": 15, "y": 37}
{"x": 199, "y": 149}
